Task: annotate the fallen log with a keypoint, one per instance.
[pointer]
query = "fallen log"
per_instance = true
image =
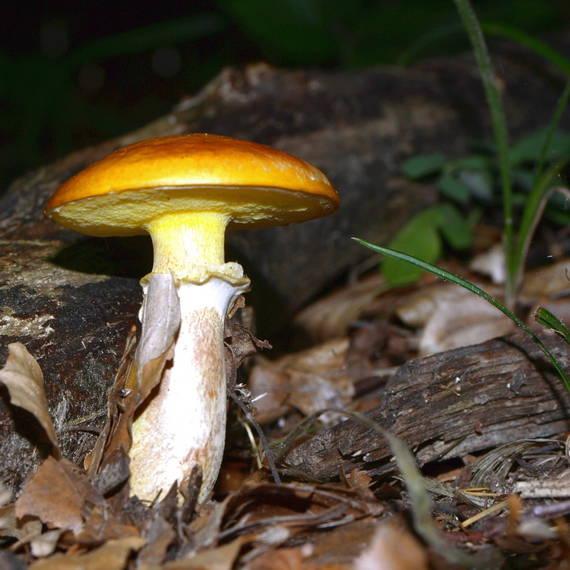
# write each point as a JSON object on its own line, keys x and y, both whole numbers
{"x": 448, "y": 405}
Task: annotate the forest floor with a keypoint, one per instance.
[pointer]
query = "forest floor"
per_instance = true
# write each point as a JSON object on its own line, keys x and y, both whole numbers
{"x": 403, "y": 435}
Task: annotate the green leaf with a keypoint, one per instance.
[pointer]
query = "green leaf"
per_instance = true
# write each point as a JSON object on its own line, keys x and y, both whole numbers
{"x": 454, "y": 227}
{"x": 149, "y": 37}
{"x": 452, "y": 188}
{"x": 475, "y": 162}
{"x": 558, "y": 209}
{"x": 479, "y": 182}
{"x": 420, "y": 237}
{"x": 494, "y": 98}
{"x": 423, "y": 165}
{"x": 291, "y": 31}
{"x": 517, "y": 35}
{"x": 529, "y": 148}
{"x": 545, "y": 318}
{"x": 523, "y": 177}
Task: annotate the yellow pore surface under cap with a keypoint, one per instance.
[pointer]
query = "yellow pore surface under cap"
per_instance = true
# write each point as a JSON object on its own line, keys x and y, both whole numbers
{"x": 246, "y": 183}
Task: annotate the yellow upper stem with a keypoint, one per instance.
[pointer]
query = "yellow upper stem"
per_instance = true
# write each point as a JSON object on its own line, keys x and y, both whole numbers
{"x": 187, "y": 240}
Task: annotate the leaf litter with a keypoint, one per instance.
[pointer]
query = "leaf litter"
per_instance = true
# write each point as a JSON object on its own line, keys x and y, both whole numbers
{"x": 67, "y": 516}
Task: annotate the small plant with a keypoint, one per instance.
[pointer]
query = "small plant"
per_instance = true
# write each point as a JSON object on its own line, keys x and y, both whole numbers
{"x": 462, "y": 179}
{"x": 472, "y": 183}
{"x": 526, "y": 172}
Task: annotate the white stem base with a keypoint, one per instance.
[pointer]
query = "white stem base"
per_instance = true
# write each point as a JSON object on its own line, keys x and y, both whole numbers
{"x": 184, "y": 422}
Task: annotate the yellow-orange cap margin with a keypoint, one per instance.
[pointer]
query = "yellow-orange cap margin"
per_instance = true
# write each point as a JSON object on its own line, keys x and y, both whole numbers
{"x": 200, "y": 162}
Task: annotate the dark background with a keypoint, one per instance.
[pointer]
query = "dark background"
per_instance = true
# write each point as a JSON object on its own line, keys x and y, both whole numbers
{"x": 73, "y": 74}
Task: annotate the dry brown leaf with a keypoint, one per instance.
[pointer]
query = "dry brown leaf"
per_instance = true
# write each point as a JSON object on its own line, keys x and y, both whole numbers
{"x": 309, "y": 380}
{"x": 338, "y": 548}
{"x": 416, "y": 308}
{"x": 56, "y": 494}
{"x": 548, "y": 280}
{"x": 130, "y": 389}
{"x": 331, "y": 316}
{"x": 453, "y": 317}
{"x": 45, "y": 544}
{"x": 491, "y": 263}
{"x": 5, "y": 495}
{"x": 158, "y": 534}
{"x": 360, "y": 482}
{"x": 23, "y": 377}
{"x": 392, "y": 548}
{"x": 220, "y": 558}
{"x": 282, "y": 559}
{"x": 268, "y": 514}
{"x": 161, "y": 308}
{"x": 8, "y": 522}
{"x": 140, "y": 370}
{"x": 25, "y": 529}
{"x": 102, "y": 524}
{"x": 111, "y": 556}
{"x": 462, "y": 320}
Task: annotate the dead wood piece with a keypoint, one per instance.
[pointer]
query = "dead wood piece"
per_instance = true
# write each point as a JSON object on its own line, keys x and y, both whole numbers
{"x": 75, "y": 324}
{"x": 448, "y": 405}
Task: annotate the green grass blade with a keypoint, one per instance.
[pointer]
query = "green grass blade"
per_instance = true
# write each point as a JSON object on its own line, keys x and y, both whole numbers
{"x": 533, "y": 208}
{"x": 520, "y": 37}
{"x": 555, "y": 121}
{"x": 423, "y": 42}
{"x": 448, "y": 276}
{"x": 516, "y": 35}
{"x": 545, "y": 318}
{"x": 500, "y": 133}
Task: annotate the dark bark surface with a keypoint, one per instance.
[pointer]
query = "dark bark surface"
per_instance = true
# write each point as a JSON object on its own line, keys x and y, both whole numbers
{"x": 448, "y": 405}
{"x": 71, "y": 299}
{"x": 75, "y": 324}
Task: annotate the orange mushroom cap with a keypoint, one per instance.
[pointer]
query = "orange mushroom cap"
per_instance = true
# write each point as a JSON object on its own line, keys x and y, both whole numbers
{"x": 253, "y": 184}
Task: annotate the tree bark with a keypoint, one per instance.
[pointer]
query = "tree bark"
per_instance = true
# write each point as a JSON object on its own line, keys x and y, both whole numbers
{"x": 448, "y": 405}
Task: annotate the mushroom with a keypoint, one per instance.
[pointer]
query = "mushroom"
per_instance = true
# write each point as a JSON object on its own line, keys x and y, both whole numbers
{"x": 185, "y": 191}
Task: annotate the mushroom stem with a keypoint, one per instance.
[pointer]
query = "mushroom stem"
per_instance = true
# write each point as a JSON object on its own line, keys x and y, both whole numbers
{"x": 184, "y": 240}
{"x": 183, "y": 422}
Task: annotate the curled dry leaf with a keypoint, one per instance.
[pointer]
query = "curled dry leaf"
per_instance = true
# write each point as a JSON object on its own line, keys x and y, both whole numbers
{"x": 139, "y": 372}
{"x": 491, "y": 263}
{"x": 161, "y": 309}
{"x": 545, "y": 281}
{"x": 282, "y": 559}
{"x": 112, "y": 555}
{"x": 331, "y": 316}
{"x": 5, "y": 495}
{"x": 309, "y": 380}
{"x": 392, "y": 548}
{"x": 24, "y": 530}
{"x": 220, "y": 558}
{"x": 453, "y": 317}
{"x": 56, "y": 494}
{"x": 158, "y": 534}
{"x": 360, "y": 482}
{"x": 23, "y": 377}
{"x": 270, "y": 513}
{"x": 45, "y": 544}
{"x": 462, "y": 321}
